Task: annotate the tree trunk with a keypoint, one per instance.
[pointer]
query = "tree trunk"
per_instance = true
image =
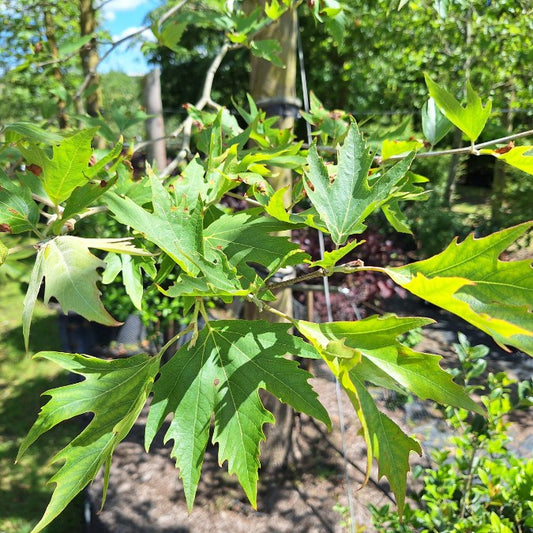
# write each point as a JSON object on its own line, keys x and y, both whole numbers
{"x": 274, "y": 90}
{"x": 49, "y": 26}
{"x": 90, "y": 59}
{"x": 155, "y": 128}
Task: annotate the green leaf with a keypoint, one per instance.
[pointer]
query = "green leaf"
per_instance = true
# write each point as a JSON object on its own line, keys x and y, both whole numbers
{"x": 248, "y": 238}
{"x": 18, "y": 211}
{"x": 471, "y": 118}
{"x": 68, "y": 167}
{"x": 84, "y": 196}
{"x": 387, "y": 442}
{"x": 330, "y": 259}
{"x": 73, "y": 45}
{"x": 176, "y": 229}
{"x": 470, "y": 280}
{"x": 345, "y": 198}
{"x": 274, "y": 10}
{"x": 30, "y": 298}
{"x": 434, "y": 124}
{"x": 369, "y": 350}
{"x": 115, "y": 392}
{"x": 28, "y": 130}
{"x": 375, "y": 339}
{"x": 70, "y": 273}
{"x": 3, "y": 253}
{"x": 268, "y": 49}
{"x": 220, "y": 376}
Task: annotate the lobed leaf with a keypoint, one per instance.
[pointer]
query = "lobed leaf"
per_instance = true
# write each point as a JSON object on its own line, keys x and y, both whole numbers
{"x": 520, "y": 157}
{"x": 345, "y": 198}
{"x": 248, "y": 238}
{"x": 67, "y": 168}
{"x": 470, "y": 280}
{"x": 220, "y": 376}
{"x": 368, "y": 350}
{"x": 70, "y": 273}
{"x": 471, "y": 118}
{"x": 115, "y": 392}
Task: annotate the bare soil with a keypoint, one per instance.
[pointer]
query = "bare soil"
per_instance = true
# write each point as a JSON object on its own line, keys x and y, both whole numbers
{"x": 309, "y": 494}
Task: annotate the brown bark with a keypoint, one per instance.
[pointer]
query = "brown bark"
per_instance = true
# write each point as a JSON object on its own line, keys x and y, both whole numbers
{"x": 62, "y": 118}
{"x": 89, "y": 58}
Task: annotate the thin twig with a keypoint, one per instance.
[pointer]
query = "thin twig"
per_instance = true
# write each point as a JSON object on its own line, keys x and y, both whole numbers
{"x": 185, "y": 127}
{"x": 465, "y": 150}
{"x": 117, "y": 43}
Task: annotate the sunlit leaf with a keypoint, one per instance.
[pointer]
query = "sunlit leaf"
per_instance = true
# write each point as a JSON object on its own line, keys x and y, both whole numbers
{"x": 519, "y": 156}
{"x": 343, "y": 195}
{"x": 67, "y": 168}
{"x": 470, "y": 280}
{"x": 471, "y": 118}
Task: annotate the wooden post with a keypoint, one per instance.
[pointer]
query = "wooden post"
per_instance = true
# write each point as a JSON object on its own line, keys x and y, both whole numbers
{"x": 274, "y": 90}
{"x": 155, "y": 127}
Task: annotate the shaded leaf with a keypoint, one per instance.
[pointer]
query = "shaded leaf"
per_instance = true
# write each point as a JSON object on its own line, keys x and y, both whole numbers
{"x": 434, "y": 124}
{"x": 28, "y": 130}
{"x": 18, "y": 211}
{"x": 115, "y": 391}
{"x": 248, "y": 238}
{"x": 220, "y": 376}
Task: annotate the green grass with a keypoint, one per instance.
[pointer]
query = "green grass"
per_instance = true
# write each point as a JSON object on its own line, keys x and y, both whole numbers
{"x": 24, "y": 492}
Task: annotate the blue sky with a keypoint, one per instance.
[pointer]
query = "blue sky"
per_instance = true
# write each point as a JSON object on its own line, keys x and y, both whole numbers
{"x": 119, "y": 18}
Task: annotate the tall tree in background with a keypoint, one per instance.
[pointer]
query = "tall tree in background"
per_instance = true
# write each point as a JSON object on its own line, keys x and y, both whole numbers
{"x": 89, "y": 58}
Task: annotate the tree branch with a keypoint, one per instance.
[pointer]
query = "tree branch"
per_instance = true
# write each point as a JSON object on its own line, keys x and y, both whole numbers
{"x": 114, "y": 45}
{"x": 185, "y": 127}
{"x": 345, "y": 268}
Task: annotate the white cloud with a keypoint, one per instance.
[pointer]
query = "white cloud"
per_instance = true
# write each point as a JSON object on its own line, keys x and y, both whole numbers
{"x": 110, "y": 9}
{"x": 146, "y": 35}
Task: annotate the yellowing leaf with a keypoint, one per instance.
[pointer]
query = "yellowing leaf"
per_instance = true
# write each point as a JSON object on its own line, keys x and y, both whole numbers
{"x": 390, "y": 148}
{"x": 516, "y": 157}
{"x": 3, "y": 253}
{"x": 470, "y": 280}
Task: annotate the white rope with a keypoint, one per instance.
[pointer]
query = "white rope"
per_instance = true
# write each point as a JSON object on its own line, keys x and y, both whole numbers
{"x": 327, "y": 297}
